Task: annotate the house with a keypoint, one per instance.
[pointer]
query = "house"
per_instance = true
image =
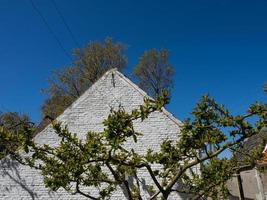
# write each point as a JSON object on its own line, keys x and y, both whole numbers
{"x": 252, "y": 181}
{"x": 113, "y": 89}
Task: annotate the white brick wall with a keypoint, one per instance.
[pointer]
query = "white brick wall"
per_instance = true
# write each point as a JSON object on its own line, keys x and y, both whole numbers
{"x": 87, "y": 113}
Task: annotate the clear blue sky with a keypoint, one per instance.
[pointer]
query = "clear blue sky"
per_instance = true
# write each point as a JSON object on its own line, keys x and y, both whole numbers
{"x": 217, "y": 46}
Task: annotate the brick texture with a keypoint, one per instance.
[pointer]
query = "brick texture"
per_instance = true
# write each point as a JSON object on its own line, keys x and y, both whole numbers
{"x": 87, "y": 113}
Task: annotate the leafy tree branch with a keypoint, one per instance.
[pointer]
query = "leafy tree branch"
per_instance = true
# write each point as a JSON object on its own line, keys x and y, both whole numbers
{"x": 191, "y": 164}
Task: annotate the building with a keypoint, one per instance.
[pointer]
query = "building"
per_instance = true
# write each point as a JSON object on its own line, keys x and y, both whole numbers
{"x": 113, "y": 89}
{"x": 253, "y": 181}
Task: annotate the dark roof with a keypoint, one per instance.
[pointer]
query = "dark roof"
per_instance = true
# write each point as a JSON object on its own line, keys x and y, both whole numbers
{"x": 253, "y": 142}
{"x": 256, "y": 140}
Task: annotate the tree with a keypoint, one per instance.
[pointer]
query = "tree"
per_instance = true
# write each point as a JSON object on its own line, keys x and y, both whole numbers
{"x": 154, "y": 72}
{"x": 89, "y": 64}
{"x": 14, "y": 124}
{"x": 102, "y": 161}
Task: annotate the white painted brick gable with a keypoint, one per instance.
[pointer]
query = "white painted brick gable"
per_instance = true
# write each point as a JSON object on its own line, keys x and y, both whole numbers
{"x": 87, "y": 113}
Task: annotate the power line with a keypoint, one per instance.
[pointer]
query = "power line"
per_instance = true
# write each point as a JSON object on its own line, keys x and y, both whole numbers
{"x": 65, "y": 23}
{"x": 57, "y": 39}
{"x": 50, "y": 29}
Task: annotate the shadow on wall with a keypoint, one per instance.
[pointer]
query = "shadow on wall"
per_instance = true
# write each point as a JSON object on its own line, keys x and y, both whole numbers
{"x": 10, "y": 168}
{"x": 143, "y": 187}
{"x": 141, "y": 184}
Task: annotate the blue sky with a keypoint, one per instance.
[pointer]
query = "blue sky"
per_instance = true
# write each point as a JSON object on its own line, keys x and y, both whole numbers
{"x": 216, "y": 46}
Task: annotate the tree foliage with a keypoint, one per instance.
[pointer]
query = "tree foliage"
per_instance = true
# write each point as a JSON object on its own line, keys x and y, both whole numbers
{"x": 104, "y": 162}
{"x": 13, "y": 125}
{"x": 89, "y": 64}
{"x": 154, "y": 72}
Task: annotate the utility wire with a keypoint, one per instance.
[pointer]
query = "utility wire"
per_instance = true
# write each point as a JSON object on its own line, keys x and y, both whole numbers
{"x": 50, "y": 29}
{"x": 65, "y": 23}
{"x": 57, "y": 39}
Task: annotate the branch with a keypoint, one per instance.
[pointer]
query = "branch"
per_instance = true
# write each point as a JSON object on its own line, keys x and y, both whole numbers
{"x": 155, "y": 195}
{"x": 117, "y": 178}
{"x": 196, "y": 197}
{"x": 154, "y": 178}
{"x": 182, "y": 171}
{"x": 178, "y": 175}
{"x": 138, "y": 185}
{"x": 82, "y": 193}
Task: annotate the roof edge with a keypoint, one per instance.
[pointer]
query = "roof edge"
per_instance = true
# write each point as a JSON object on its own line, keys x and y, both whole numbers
{"x": 74, "y": 102}
{"x": 144, "y": 94}
{"x": 131, "y": 83}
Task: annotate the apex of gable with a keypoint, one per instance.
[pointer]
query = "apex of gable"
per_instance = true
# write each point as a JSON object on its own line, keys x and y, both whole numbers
{"x": 111, "y": 90}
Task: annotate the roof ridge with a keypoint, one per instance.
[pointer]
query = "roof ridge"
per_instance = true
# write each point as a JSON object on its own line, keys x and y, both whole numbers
{"x": 144, "y": 94}
{"x": 92, "y": 87}
{"x": 79, "y": 98}
{"x": 131, "y": 83}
